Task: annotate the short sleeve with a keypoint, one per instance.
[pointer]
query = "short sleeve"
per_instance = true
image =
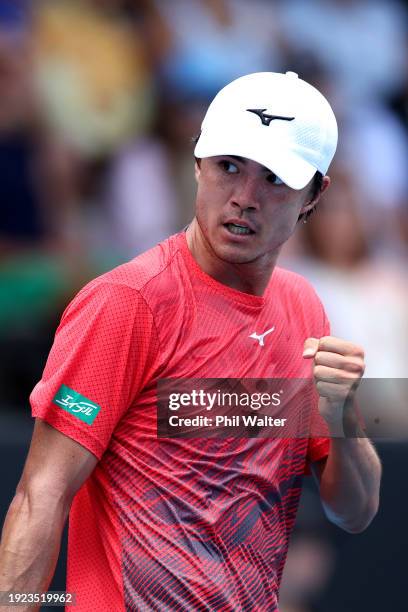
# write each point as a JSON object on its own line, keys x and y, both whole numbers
{"x": 319, "y": 442}
{"x": 104, "y": 351}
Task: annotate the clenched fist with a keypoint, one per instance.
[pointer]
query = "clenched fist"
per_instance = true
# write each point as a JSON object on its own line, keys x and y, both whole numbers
{"x": 338, "y": 367}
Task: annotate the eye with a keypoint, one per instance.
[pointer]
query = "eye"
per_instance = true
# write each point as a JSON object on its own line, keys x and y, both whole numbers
{"x": 228, "y": 167}
{"x": 272, "y": 178}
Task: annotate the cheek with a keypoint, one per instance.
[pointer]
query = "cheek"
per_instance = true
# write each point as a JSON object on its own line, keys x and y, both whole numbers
{"x": 293, "y": 207}
{"x": 284, "y": 209}
{"x": 282, "y": 217}
{"x": 205, "y": 207}
{"x": 212, "y": 194}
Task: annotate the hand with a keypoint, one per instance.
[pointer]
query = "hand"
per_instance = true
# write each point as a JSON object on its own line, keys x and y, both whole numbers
{"x": 338, "y": 367}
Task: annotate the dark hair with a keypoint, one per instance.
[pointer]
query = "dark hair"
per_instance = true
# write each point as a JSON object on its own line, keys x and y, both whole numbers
{"x": 315, "y": 190}
{"x": 194, "y": 141}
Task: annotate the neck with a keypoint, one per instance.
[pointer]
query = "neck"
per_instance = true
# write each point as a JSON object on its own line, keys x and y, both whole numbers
{"x": 252, "y": 277}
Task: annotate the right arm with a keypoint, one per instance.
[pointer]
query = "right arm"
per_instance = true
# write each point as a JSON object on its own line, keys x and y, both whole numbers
{"x": 55, "y": 469}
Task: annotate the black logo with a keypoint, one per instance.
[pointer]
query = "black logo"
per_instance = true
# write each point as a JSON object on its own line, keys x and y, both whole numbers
{"x": 266, "y": 119}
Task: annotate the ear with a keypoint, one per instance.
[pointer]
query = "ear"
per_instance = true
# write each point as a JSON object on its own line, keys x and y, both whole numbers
{"x": 310, "y": 204}
{"x": 197, "y": 170}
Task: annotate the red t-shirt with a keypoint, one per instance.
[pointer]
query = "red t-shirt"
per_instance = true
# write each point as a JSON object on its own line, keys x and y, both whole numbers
{"x": 176, "y": 524}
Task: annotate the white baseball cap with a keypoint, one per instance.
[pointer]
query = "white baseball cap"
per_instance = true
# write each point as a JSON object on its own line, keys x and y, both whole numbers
{"x": 277, "y": 120}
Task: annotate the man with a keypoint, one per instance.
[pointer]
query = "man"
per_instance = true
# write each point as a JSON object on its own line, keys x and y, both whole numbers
{"x": 195, "y": 524}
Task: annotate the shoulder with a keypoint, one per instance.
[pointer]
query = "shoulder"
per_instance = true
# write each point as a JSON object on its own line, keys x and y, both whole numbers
{"x": 294, "y": 285}
{"x": 131, "y": 290}
{"x": 299, "y": 300}
{"x": 144, "y": 268}
{"x": 134, "y": 276}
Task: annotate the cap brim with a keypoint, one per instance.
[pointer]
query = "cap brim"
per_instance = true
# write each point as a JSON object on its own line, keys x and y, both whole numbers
{"x": 292, "y": 169}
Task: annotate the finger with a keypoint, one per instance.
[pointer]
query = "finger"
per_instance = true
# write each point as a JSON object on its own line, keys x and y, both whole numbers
{"x": 325, "y": 374}
{"x": 340, "y": 362}
{"x": 310, "y": 347}
{"x": 342, "y": 347}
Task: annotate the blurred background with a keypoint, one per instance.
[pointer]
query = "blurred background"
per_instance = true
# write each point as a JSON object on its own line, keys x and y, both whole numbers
{"x": 99, "y": 102}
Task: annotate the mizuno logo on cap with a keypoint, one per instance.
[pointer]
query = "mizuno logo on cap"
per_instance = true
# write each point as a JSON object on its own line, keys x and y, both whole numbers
{"x": 266, "y": 119}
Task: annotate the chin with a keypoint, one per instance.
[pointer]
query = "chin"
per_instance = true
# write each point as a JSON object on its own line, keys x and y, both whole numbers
{"x": 235, "y": 255}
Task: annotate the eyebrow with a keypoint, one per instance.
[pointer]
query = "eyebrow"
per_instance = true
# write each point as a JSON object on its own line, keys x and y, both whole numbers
{"x": 243, "y": 160}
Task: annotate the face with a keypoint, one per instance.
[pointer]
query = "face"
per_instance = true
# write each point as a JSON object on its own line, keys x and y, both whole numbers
{"x": 244, "y": 211}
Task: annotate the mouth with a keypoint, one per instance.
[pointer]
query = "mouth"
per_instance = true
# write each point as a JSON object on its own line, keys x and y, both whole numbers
{"x": 238, "y": 229}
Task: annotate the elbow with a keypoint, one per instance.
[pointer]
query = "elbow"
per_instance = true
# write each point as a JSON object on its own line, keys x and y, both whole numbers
{"x": 369, "y": 516}
{"x": 357, "y": 527}
{"x": 360, "y": 520}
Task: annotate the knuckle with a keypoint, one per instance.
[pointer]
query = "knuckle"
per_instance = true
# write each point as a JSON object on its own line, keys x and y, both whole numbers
{"x": 318, "y": 371}
{"x": 358, "y": 351}
{"x": 361, "y": 371}
{"x": 358, "y": 367}
{"x": 354, "y": 366}
{"x": 320, "y": 386}
{"x": 325, "y": 340}
{"x": 319, "y": 357}
{"x": 351, "y": 376}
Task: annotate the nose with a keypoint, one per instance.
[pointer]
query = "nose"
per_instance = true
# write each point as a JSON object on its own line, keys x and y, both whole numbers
{"x": 247, "y": 193}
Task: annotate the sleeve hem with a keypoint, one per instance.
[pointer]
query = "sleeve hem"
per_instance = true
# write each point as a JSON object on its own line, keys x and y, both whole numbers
{"x": 65, "y": 427}
{"x": 319, "y": 452}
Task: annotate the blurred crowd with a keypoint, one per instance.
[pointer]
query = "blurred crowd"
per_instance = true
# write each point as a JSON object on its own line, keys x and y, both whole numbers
{"x": 99, "y": 103}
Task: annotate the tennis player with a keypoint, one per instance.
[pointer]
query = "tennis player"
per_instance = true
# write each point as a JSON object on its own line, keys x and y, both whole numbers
{"x": 164, "y": 524}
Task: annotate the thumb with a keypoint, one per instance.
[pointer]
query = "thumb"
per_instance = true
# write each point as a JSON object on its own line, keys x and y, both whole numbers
{"x": 310, "y": 347}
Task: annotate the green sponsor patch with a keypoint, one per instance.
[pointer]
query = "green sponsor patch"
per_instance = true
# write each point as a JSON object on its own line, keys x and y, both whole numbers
{"x": 76, "y": 404}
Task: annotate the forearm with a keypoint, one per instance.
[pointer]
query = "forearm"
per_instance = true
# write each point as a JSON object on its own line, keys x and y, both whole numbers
{"x": 350, "y": 482}
{"x": 30, "y": 543}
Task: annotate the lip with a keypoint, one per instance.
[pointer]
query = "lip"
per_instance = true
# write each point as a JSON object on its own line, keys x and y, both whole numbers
{"x": 240, "y": 222}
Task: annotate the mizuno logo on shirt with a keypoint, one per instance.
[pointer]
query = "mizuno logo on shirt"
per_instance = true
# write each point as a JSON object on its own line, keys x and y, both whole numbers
{"x": 266, "y": 119}
{"x": 260, "y": 337}
{"x": 76, "y": 404}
